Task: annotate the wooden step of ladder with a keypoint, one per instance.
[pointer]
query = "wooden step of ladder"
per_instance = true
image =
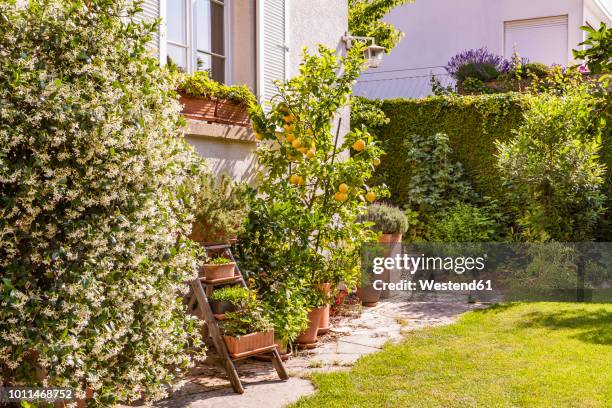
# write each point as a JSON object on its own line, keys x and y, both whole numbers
{"x": 201, "y": 289}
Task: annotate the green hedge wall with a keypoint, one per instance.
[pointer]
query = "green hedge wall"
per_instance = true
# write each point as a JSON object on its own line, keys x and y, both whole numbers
{"x": 473, "y": 124}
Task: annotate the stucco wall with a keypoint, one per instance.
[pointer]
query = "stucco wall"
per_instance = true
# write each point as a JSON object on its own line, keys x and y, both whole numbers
{"x": 315, "y": 22}
{"x": 235, "y": 158}
{"x": 438, "y": 29}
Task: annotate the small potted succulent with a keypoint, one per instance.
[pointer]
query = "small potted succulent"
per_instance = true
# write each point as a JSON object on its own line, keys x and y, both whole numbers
{"x": 227, "y": 299}
{"x": 218, "y": 268}
{"x": 247, "y": 329}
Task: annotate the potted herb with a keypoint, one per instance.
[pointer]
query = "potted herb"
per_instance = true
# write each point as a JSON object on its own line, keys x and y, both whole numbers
{"x": 218, "y": 268}
{"x": 221, "y": 207}
{"x": 246, "y": 330}
{"x": 227, "y": 299}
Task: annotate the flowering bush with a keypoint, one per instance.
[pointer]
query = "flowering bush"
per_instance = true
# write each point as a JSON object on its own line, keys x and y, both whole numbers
{"x": 95, "y": 199}
{"x": 477, "y": 63}
{"x": 303, "y": 227}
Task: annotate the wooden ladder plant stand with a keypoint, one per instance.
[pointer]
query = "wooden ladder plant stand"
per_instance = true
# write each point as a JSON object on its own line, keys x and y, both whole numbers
{"x": 202, "y": 288}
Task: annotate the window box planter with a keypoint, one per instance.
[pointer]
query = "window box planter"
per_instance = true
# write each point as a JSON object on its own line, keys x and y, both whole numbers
{"x": 214, "y": 272}
{"x": 249, "y": 343}
{"x": 215, "y": 110}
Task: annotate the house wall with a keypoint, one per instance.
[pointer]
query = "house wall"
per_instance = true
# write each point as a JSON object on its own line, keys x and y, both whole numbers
{"x": 436, "y": 30}
{"x": 315, "y": 22}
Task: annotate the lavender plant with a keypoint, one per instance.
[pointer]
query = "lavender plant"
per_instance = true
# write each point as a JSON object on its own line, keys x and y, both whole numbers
{"x": 477, "y": 63}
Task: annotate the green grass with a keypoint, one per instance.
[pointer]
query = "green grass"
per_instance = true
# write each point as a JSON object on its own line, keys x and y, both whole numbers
{"x": 515, "y": 355}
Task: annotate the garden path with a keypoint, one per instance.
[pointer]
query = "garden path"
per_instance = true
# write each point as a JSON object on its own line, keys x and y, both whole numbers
{"x": 351, "y": 337}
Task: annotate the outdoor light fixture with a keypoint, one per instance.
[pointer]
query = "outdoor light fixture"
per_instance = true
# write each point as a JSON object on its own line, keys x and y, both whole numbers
{"x": 373, "y": 53}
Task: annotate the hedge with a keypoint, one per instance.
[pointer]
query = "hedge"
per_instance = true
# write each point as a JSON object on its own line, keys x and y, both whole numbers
{"x": 473, "y": 124}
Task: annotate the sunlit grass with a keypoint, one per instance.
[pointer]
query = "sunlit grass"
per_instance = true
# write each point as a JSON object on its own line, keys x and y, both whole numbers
{"x": 539, "y": 354}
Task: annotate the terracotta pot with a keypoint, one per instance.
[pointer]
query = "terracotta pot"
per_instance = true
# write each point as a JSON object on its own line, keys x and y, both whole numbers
{"x": 214, "y": 272}
{"x": 220, "y": 307}
{"x": 392, "y": 242}
{"x": 324, "y": 325}
{"x": 251, "y": 342}
{"x": 309, "y": 337}
{"x": 215, "y": 110}
{"x": 368, "y": 295}
{"x": 390, "y": 238}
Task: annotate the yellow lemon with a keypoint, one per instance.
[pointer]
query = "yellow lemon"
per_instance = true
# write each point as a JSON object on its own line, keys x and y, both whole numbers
{"x": 296, "y": 143}
{"x": 289, "y": 118}
{"x": 343, "y": 188}
{"x": 294, "y": 179}
{"x": 289, "y": 128}
{"x": 290, "y": 138}
{"x": 376, "y": 162}
{"x": 370, "y": 196}
{"x": 258, "y": 136}
{"x": 301, "y": 181}
{"x": 341, "y": 197}
{"x": 310, "y": 154}
{"x": 303, "y": 150}
{"x": 359, "y": 145}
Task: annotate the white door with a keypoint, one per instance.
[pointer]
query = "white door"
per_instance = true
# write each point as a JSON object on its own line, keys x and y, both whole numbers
{"x": 539, "y": 39}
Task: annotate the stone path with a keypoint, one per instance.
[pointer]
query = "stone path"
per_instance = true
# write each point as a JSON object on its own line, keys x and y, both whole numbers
{"x": 350, "y": 338}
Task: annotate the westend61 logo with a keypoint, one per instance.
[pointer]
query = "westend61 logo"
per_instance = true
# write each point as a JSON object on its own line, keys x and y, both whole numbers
{"x": 412, "y": 263}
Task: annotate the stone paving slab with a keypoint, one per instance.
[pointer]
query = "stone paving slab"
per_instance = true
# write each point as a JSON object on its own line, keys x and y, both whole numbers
{"x": 349, "y": 339}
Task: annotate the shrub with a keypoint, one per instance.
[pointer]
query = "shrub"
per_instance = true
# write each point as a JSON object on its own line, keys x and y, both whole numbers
{"x": 551, "y": 169}
{"x": 386, "y": 219}
{"x": 476, "y": 63}
{"x": 221, "y": 208}
{"x": 233, "y": 294}
{"x": 536, "y": 69}
{"x": 598, "y": 49}
{"x": 96, "y": 198}
{"x": 199, "y": 84}
{"x": 464, "y": 223}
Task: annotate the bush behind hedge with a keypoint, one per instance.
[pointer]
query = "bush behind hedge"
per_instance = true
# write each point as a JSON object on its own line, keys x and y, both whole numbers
{"x": 473, "y": 124}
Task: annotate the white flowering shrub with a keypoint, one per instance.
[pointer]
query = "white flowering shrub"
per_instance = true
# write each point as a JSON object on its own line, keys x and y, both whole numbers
{"x": 95, "y": 196}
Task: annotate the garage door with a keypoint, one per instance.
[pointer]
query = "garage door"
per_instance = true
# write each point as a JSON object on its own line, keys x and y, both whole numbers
{"x": 539, "y": 39}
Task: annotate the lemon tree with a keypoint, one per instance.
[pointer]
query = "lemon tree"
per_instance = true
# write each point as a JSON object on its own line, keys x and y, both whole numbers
{"x": 313, "y": 181}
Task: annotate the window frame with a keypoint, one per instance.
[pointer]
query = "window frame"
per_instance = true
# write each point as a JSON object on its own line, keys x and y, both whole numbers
{"x": 191, "y": 45}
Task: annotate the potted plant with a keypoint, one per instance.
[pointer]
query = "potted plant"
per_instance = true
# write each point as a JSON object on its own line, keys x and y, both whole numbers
{"x": 207, "y": 100}
{"x": 221, "y": 207}
{"x": 247, "y": 329}
{"x": 218, "y": 268}
{"x": 316, "y": 303}
{"x": 390, "y": 223}
{"x": 324, "y": 324}
{"x": 227, "y": 299}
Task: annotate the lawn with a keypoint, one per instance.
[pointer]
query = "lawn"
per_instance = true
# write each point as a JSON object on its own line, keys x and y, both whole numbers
{"x": 538, "y": 354}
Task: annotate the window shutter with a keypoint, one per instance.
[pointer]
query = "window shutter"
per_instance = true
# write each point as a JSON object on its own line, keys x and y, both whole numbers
{"x": 274, "y": 46}
{"x": 151, "y": 11}
{"x": 539, "y": 39}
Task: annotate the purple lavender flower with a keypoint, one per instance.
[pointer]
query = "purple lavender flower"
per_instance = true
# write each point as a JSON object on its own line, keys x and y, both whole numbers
{"x": 480, "y": 57}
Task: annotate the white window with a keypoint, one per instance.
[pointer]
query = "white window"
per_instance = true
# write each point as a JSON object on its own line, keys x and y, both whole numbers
{"x": 195, "y": 36}
{"x": 539, "y": 39}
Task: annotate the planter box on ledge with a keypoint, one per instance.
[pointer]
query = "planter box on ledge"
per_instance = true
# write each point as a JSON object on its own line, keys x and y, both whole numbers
{"x": 215, "y": 110}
